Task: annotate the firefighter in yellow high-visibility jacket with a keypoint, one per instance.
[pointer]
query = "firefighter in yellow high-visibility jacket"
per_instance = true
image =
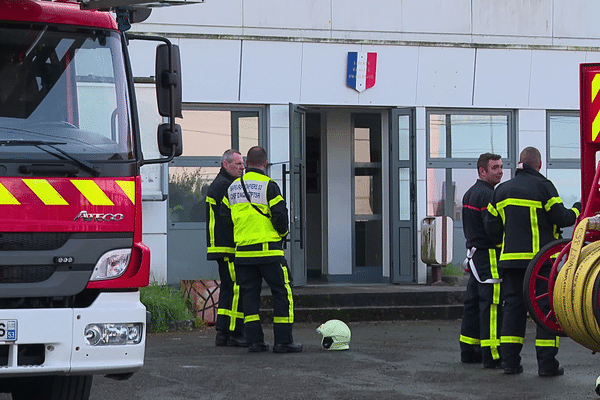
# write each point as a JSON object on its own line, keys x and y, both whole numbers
{"x": 260, "y": 223}
{"x": 525, "y": 214}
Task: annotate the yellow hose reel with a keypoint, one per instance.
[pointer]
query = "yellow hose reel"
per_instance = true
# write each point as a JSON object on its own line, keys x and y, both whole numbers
{"x": 575, "y": 294}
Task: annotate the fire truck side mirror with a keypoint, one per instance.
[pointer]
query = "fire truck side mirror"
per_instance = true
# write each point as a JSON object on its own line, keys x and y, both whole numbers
{"x": 168, "y": 80}
{"x": 170, "y": 141}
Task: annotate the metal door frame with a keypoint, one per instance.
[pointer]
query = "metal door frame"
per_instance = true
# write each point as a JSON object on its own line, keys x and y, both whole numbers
{"x": 297, "y": 199}
{"x": 403, "y": 245}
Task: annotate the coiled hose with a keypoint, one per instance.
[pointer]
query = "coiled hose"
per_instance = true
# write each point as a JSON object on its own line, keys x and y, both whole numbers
{"x": 575, "y": 289}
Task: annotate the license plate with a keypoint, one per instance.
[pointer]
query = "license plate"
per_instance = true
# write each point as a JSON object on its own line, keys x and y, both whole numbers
{"x": 8, "y": 330}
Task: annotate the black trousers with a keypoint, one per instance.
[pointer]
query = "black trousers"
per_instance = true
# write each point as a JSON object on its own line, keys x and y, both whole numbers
{"x": 230, "y": 318}
{"x": 482, "y": 314}
{"x": 514, "y": 321}
{"x": 277, "y": 276}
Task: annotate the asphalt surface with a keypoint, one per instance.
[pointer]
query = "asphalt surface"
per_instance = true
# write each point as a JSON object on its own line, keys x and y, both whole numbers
{"x": 387, "y": 360}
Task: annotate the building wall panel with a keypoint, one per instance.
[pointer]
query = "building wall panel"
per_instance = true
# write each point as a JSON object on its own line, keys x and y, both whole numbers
{"x": 502, "y": 78}
{"x": 288, "y": 14}
{"x": 324, "y": 74}
{"x": 555, "y": 79}
{"x": 427, "y": 16}
{"x": 396, "y": 76}
{"x": 210, "y": 70}
{"x": 271, "y": 72}
{"x": 445, "y": 76}
{"x": 512, "y": 17}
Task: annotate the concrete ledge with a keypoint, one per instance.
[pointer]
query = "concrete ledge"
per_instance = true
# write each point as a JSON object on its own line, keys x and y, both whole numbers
{"x": 340, "y": 300}
{"x": 353, "y": 303}
{"x": 380, "y": 313}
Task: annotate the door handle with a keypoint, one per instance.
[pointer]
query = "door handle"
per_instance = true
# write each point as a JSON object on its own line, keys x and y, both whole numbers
{"x": 300, "y": 206}
{"x": 284, "y": 173}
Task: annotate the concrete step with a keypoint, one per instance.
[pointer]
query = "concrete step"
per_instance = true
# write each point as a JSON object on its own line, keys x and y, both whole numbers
{"x": 352, "y": 303}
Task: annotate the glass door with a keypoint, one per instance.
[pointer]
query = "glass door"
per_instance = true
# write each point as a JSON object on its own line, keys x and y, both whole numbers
{"x": 403, "y": 213}
{"x": 297, "y": 201}
{"x": 368, "y": 197}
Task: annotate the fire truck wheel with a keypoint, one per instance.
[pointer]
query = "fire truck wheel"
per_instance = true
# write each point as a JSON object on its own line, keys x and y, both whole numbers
{"x": 54, "y": 388}
{"x": 538, "y": 289}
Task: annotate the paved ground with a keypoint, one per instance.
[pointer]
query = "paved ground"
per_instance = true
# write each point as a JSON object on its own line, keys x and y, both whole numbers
{"x": 387, "y": 360}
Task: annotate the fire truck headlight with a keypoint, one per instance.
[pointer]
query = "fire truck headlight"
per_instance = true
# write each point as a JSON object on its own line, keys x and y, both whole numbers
{"x": 111, "y": 265}
{"x": 113, "y": 334}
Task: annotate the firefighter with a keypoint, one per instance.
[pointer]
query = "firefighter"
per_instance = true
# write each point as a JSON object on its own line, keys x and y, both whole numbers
{"x": 257, "y": 210}
{"x": 221, "y": 247}
{"x": 481, "y": 321}
{"x": 525, "y": 214}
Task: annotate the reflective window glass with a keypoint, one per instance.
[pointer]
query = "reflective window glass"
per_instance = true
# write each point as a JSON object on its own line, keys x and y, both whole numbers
{"x": 205, "y": 133}
{"x": 187, "y": 192}
{"x": 211, "y": 132}
{"x": 248, "y": 131}
{"x": 563, "y": 136}
{"x": 404, "y": 194}
{"x": 467, "y": 135}
{"x": 567, "y": 183}
{"x": 436, "y": 191}
{"x": 403, "y": 137}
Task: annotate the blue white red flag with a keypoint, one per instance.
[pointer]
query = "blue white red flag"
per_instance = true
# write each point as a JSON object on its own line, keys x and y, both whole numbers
{"x": 362, "y": 67}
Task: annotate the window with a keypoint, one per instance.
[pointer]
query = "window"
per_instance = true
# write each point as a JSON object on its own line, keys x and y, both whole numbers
{"x": 65, "y": 86}
{"x": 467, "y": 135}
{"x": 455, "y": 139}
{"x": 207, "y": 133}
{"x": 563, "y": 154}
{"x": 563, "y": 137}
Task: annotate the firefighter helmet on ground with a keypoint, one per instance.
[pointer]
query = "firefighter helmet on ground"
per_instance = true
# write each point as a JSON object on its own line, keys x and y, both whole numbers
{"x": 336, "y": 335}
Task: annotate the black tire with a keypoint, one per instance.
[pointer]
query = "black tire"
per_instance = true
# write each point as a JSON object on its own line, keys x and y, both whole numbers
{"x": 54, "y": 388}
{"x": 548, "y": 322}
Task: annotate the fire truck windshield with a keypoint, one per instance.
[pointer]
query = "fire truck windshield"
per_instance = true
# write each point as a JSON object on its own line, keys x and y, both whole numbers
{"x": 65, "y": 85}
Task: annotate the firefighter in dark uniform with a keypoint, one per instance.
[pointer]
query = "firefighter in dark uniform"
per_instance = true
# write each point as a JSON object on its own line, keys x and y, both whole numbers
{"x": 482, "y": 314}
{"x": 221, "y": 247}
{"x": 260, "y": 223}
{"x": 525, "y": 214}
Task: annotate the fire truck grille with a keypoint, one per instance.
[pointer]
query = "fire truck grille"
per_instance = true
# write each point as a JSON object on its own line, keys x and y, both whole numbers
{"x": 26, "y": 274}
{"x": 32, "y": 241}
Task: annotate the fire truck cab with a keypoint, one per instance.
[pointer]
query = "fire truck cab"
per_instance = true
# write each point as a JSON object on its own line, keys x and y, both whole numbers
{"x": 70, "y": 196}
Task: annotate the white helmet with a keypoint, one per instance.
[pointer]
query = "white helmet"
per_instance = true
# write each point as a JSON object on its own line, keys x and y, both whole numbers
{"x": 336, "y": 335}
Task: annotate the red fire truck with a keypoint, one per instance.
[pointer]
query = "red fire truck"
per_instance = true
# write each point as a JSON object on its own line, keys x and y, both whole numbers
{"x": 71, "y": 251}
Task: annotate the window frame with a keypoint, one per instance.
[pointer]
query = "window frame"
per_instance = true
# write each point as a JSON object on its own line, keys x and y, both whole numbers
{"x": 215, "y": 161}
{"x": 449, "y": 163}
{"x": 561, "y": 163}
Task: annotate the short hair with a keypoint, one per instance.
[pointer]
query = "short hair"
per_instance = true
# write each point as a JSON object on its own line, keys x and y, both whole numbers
{"x": 484, "y": 160}
{"x": 256, "y": 156}
{"x": 228, "y": 155}
{"x": 531, "y": 156}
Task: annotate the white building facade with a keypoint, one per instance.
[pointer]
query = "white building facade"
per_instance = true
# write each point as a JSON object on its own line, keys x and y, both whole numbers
{"x": 361, "y": 169}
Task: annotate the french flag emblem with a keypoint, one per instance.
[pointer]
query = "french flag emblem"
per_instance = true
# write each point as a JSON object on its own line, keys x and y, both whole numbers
{"x": 361, "y": 70}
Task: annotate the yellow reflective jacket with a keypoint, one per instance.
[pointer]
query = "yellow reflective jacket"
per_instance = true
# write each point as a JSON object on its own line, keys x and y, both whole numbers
{"x": 259, "y": 224}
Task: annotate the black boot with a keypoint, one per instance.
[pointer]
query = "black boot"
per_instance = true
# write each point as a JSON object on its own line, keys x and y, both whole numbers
{"x": 221, "y": 338}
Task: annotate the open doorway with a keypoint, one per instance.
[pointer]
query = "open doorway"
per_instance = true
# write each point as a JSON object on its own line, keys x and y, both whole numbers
{"x": 343, "y": 196}
{"x": 314, "y": 199}
{"x": 358, "y": 207}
